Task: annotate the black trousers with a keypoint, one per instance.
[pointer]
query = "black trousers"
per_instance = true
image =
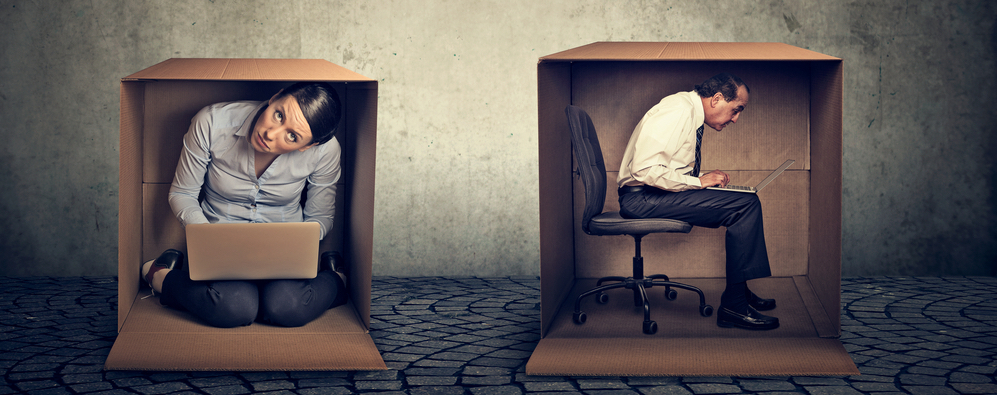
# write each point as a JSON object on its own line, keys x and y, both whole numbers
{"x": 227, "y": 304}
{"x": 740, "y": 213}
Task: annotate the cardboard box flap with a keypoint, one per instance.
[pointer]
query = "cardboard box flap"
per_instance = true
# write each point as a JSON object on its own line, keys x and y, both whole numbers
{"x": 601, "y": 51}
{"x": 163, "y": 339}
{"x": 247, "y": 69}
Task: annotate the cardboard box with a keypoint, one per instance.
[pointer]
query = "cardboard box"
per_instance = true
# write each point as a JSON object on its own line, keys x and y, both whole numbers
{"x": 795, "y": 112}
{"x": 157, "y": 105}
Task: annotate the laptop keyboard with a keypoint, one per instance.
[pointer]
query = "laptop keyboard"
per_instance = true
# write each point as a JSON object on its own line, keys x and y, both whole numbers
{"x": 738, "y": 187}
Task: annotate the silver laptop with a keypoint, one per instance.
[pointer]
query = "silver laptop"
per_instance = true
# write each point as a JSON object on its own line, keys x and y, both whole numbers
{"x": 757, "y": 188}
{"x": 244, "y": 251}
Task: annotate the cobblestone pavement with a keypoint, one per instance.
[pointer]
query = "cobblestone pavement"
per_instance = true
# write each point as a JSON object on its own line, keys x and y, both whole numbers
{"x": 474, "y": 335}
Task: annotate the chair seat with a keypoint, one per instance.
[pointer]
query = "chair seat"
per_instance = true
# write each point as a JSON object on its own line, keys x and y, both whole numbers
{"x": 611, "y": 223}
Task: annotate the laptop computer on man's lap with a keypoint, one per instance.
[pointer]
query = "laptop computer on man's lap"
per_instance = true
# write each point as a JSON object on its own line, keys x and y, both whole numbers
{"x": 775, "y": 173}
{"x": 247, "y": 251}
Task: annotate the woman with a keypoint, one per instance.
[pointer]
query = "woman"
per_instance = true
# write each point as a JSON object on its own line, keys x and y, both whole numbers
{"x": 253, "y": 160}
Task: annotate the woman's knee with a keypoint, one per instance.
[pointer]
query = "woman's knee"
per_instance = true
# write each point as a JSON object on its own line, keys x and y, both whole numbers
{"x": 234, "y": 304}
{"x": 290, "y": 303}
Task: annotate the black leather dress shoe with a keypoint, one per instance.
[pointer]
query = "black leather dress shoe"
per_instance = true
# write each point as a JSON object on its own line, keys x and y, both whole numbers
{"x": 760, "y": 304}
{"x": 753, "y": 320}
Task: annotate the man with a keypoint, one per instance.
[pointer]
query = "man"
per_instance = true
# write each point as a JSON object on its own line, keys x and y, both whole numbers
{"x": 660, "y": 178}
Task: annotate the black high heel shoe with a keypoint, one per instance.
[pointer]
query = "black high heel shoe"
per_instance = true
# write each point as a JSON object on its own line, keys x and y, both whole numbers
{"x": 169, "y": 259}
{"x": 333, "y": 261}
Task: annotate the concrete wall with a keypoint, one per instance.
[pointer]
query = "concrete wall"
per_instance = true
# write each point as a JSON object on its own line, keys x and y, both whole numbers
{"x": 457, "y": 150}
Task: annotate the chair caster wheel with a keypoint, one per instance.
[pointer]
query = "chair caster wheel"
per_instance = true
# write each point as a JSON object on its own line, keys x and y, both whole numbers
{"x": 602, "y": 298}
{"x": 579, "y": 317}
{"x": 706, "y": 310}
{"x": 650, "y": 327}
{"x": 670, "y": 294}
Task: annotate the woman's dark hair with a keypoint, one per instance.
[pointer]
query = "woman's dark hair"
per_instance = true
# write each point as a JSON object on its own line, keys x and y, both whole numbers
{"x": 725, "y": 83}
{"x": 321, "y": 107}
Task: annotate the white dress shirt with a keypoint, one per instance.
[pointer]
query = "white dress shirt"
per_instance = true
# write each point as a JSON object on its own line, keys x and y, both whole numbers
{"x": 662, "y": 148}
{"x": 218, "y": 156}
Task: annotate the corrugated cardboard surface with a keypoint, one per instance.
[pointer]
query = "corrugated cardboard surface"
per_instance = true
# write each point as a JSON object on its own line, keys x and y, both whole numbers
{"x": 556, "y": 228}
{"x": 157, "y": 105}
{"x": 686, "y": 342}
{"x": 156, "y": 337}
{"x": 711, "y": 357}
{"x": 247, "y": 70}
{"x": 686, "y": 51}
{"x": 794, "y": 112}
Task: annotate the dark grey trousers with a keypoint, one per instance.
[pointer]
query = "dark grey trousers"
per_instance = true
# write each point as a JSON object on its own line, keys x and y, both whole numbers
{"x": 740, "y": 213}
{"x": 227, "y": 304}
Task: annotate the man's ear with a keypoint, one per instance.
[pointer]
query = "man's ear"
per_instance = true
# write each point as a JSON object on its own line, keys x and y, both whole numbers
{"x": 715, "y": 100}
{"x": 305, "y": 148}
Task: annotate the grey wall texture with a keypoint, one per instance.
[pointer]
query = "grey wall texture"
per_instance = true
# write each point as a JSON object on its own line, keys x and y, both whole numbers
{"x": 456, "y": 184}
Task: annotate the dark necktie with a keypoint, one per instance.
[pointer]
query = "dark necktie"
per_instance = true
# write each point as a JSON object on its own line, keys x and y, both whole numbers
{"x": 699, "y": 157}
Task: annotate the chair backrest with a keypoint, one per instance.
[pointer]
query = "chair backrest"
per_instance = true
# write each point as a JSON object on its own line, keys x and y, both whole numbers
{"x": 591, "y": 165}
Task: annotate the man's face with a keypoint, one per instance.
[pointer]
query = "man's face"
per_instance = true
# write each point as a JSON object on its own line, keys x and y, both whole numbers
{"x": 720, "y": 112}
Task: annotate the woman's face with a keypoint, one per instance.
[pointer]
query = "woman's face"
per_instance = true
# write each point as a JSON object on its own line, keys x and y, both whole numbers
{"x": 281, "y": 128}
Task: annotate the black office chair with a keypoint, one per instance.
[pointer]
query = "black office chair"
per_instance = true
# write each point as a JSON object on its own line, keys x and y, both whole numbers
{"x": 592, "y": 168}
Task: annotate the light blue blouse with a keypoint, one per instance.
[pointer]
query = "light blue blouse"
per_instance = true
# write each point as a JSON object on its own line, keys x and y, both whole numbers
{"x": 218, "y": 156}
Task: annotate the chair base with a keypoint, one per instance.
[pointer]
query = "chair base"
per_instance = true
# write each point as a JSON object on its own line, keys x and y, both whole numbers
{"x": 639, "y": 287}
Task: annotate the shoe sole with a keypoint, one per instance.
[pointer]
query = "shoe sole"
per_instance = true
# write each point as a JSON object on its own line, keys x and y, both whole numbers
{"x": 728, "y": 324}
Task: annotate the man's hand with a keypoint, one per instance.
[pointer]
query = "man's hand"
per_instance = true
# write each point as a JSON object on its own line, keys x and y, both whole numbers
{"x": 714, "y": 178}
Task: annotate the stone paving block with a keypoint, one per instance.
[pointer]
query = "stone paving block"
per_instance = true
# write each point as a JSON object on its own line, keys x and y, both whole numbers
{"x": 485, "y": 380}
{"x": 664, "y": 390}
{"x": 974, "y": 388}
{"x": 484, "y": 371}
{"x": 831, "y": 390}
{"x": 611, "y": 392}
{"x": 272, "y": 385}
{"x": 378, "y": 385}
{"x": 227, "y": 390}
{"x": 819, "y": 381}
{"x": 927, "y": 371}
{"x": 323, "y": 382}
{"x": 496, "y": 390}
{"x": 91, "y": 387}
{"x": 596, "y": 384}
{"x": 929, "y": 390}
{"x": 433, "y": 363}
{"x": 716, "y": 380}
{"x": 714, "y": 388}
{"x": 876, "y": 387}
{"x": 921, "y": 379}
{"x": 539, "y": 386}
{"x": 766, "y": 385}
{"x": 431, "y": 380}
{"x": 161, "y": 388}
{"x": 326, "y": 391}
{"x": 653, "y": 381}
